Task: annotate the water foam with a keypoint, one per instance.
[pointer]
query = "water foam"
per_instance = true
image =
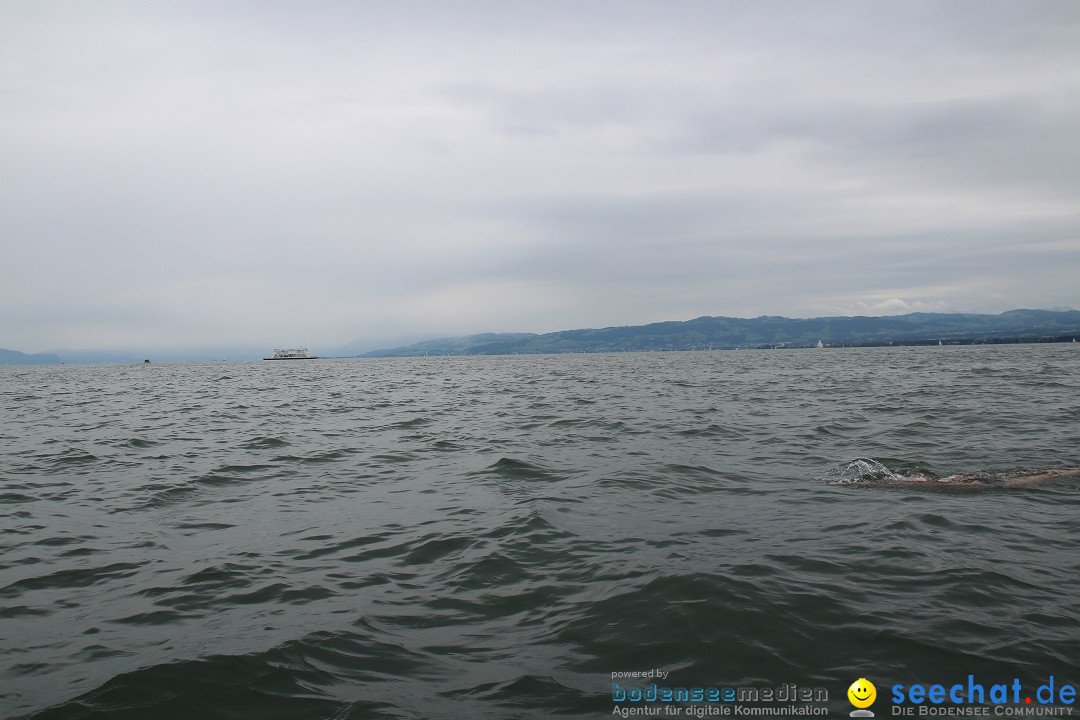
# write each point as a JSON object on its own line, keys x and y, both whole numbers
{"x": 859, "y": 470}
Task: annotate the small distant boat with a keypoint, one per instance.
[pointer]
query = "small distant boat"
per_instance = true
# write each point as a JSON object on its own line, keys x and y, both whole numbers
{"x": 292, "y": 354}
{"x": 820, "y": 344}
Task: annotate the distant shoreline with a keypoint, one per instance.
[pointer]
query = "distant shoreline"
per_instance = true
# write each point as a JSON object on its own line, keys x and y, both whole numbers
{"x": 945, "y": 342}
{"x": 767, "y": 332}
{"x": 703, "y": 333}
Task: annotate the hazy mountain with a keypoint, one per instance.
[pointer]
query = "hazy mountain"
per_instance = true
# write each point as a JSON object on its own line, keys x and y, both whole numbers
{"x": 359, "y": 347}
{"x": 766, "y": 331}
{"x": 91, "y": 357}
{"x": 14, "y": 357}
{"x": 469, "y": 345}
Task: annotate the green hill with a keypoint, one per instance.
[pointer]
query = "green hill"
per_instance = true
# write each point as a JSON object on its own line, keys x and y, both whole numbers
{"x": 767, "y": 332}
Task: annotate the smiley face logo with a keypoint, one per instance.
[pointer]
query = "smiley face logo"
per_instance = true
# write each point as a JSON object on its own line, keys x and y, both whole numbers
{"x": 862, "y": 693}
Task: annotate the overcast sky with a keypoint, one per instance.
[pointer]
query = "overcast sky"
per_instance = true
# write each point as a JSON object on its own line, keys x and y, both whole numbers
{"x": 319, "y": 172}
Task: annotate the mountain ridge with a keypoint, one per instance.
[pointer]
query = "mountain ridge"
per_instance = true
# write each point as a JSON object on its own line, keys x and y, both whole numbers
{"x": 764, "y": 331}
{"x": 14, "y": 357}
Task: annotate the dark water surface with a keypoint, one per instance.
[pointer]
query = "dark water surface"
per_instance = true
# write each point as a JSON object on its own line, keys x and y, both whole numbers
{"x": 493, "y": 537}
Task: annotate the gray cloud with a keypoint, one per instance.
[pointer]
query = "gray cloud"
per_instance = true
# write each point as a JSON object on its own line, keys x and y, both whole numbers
{"x": 272, "y": 173}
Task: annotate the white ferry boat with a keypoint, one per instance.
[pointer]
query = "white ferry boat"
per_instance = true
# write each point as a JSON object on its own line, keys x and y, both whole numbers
{"x": 292, "y": 354}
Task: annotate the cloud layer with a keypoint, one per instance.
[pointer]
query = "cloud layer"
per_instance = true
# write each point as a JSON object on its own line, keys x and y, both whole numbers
{"x": 279, "y": 173}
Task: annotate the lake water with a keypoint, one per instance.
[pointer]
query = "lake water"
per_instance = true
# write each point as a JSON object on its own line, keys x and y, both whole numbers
{"x": 493, "y": 537}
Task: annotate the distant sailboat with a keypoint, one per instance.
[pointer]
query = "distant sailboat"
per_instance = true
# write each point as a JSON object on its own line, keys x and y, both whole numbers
{"x": 940, "y": 343}
{"x": 820, "y": 344}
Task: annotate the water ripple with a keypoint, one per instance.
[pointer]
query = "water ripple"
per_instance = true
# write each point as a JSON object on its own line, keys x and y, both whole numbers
{"x": 492, "y": 537}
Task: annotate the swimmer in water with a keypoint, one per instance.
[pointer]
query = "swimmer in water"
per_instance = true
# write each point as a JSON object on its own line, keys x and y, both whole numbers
{"x": 1015, "y": 480}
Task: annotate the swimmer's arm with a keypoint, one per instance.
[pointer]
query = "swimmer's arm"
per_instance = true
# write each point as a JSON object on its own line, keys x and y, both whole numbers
{"x": 1028, "y": 479}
